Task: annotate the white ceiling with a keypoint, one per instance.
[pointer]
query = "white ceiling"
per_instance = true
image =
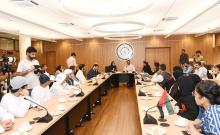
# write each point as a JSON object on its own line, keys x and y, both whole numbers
{"x": 48, "y": 20}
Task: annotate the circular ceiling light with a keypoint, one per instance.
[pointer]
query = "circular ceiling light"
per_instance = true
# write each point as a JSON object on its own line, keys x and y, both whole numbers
{"x": 123, "y": 37}
{"x": 118, "y": 27}
{"x": 105, "y": 8}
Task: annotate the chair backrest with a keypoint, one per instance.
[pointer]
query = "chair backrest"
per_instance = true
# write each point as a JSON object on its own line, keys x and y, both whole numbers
{"x": 107, "y": 69}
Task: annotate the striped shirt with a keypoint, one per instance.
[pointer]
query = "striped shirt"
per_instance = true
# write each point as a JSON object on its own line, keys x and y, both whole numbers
{"x": 210, "y": 120}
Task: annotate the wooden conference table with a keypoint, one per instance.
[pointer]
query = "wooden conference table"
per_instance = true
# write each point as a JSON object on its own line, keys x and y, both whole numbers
{"x": 78, "y": 107}
{"x": 149, "y": 87}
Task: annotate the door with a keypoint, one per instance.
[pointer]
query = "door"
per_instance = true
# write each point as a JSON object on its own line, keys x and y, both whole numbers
{"x": 158, "y": 54}
{"x": 51, "y": 62}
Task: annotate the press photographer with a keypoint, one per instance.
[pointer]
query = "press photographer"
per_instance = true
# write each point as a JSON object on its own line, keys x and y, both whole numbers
{"x": 6, "y": 69}
{"x": 29, "y": 68}
{"x": 6, "y": 62}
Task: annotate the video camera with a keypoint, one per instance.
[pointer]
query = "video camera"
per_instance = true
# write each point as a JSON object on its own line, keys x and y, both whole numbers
{"x": 37, "y": 69}
{"x": 5, "y": 62}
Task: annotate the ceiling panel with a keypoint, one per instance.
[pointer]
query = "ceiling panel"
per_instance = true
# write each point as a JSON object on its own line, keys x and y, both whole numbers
{"x": 47, "y": 20}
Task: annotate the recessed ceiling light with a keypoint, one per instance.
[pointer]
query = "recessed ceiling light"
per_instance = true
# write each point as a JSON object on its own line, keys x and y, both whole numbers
{"x": 118, "y": 27}
{"x": 169, "y": 18}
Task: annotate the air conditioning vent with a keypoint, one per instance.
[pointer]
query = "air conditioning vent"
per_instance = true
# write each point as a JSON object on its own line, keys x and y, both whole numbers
{"x": 169, "y": 18}
{"x": 67, "y": 24}
{"x": 24, "y": 3}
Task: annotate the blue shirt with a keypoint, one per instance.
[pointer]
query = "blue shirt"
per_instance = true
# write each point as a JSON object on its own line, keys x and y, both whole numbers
{"x": 210, "y": 120}
{"x": 92, "y": 73}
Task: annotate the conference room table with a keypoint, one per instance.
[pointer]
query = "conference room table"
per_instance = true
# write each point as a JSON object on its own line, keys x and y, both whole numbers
{"x": 155, "y": 90}
{"x": 78, "y": 107}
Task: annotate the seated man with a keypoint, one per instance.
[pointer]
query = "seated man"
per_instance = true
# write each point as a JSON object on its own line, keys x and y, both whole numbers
{"x": 129, "y": 67}
{"x": 163, "y": 77}
{"x": 69, "y": 76}
{"x": 80, "y": 74}
{"x": 187, "y": 68}
{"x": 6, "y": 120}
{"x": 200, "y": 70}
{"x": 93, "y": 72}
{"x": 14, "y": 102}
{"x": 58, "y": 87}
{"x": 42, "y": 92}
{"x": 73, "y": 75}
{"x": 61, "y": 87}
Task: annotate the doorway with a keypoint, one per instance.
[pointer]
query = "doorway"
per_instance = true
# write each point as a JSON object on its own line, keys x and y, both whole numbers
{"x": 158, "y": 54}
{"x": 51, "y": 62}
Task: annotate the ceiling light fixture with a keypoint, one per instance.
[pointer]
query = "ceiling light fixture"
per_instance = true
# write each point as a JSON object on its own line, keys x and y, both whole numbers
{"x": 105, "y": 8}
{"x": 123, "y": 37}
{"x": 118, "y": 27}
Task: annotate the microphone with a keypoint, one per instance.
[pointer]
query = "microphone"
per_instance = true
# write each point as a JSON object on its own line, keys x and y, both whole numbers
{"x": 148, "y": 119}
{"x": 96, "y": 83}
{"x": 141, "y": 93}
{"x": 45, "y": 119}
{"x": 81, "y": 93}
{"x": 138, "y": 83}
{"x": 103, "y": 77}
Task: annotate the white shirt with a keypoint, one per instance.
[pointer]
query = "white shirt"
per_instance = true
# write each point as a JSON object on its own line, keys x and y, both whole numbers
{"x": 129, "y": 68}
{"x": 17, "y": 106}
{"x": 188, "y": 70}
{"x": 81, "y": 76}
{"x": 4, "y": 115}
{"x": 41, "y": 94}
{"x": 57, "y": 72}
{"x": 71, "y": 61}
{"x": 58, "y": 90}
{"x": 32, "y": 79}
{"x": 157, "y": 78}
{"x": 218, "y": 76}
{"x": 201, "y": 72}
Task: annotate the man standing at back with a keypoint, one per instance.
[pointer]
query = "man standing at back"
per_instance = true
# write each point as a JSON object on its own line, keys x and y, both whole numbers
{"x": 71, "y": 61}
{"x": 184, "y": 57}
{"x": 26, "y": 68}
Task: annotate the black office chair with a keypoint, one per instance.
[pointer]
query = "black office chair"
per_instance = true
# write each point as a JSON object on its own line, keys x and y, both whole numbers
{"x": 107, "y": 69}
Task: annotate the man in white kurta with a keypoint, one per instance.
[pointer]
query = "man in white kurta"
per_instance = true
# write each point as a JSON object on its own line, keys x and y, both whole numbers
{"x": 41, "y": 93}
{"x": 14, "y": 102}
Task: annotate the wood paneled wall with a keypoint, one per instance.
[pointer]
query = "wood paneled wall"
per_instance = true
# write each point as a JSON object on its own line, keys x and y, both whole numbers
{"x": 102, "y": 51}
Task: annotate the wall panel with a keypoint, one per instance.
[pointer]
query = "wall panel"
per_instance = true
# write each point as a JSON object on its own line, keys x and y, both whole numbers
{"x": 102, "y": 51}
